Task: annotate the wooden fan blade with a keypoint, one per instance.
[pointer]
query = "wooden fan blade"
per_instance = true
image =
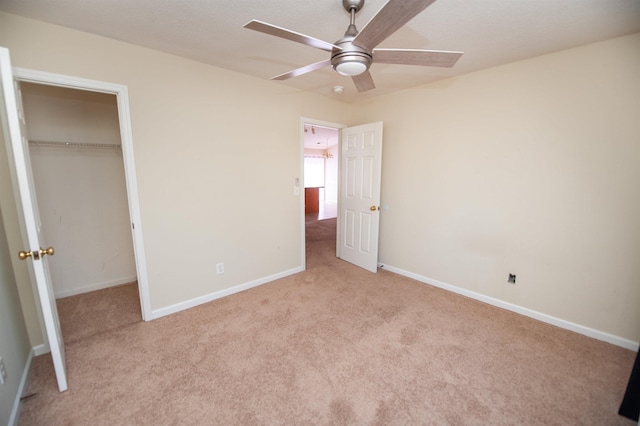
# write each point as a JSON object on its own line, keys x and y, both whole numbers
{"x": 363, "y": 82}
{"x": 388, "y": 20}
{"x": 274, "y": 30}
{"x": 303, "y": 70}
{"x": 427, "y": 58}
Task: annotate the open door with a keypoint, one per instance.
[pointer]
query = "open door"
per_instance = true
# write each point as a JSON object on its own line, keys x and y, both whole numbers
{"x": 34, "y": 252}
{"x": 359, "y": 215}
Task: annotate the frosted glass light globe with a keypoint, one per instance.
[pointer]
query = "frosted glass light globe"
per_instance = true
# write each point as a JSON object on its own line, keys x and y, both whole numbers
{"x": 351, "y": 68}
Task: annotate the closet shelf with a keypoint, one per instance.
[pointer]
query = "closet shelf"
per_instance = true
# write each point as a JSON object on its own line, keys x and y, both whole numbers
{"x": 75, "y": 144}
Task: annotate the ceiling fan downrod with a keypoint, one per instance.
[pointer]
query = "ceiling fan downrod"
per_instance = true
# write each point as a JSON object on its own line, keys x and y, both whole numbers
{"x": 353, "y": 7}
{"x": 350, "y": 60}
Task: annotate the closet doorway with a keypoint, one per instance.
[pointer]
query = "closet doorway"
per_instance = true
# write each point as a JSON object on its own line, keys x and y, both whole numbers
{"x": 78, "y": 170}
{"x": 132, "y": 219}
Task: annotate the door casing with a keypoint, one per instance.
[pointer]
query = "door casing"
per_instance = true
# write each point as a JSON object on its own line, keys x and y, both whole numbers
{"x": 124, "y": 118}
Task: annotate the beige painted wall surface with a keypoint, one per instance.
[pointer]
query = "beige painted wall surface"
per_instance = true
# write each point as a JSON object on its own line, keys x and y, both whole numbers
{"x": 217, "y": 154}
{"x": 529, "y": 168}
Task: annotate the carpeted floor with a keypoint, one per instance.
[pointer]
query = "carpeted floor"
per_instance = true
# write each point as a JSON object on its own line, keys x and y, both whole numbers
{"x": 89, "y": 314}
{"x": 332, "y": 345}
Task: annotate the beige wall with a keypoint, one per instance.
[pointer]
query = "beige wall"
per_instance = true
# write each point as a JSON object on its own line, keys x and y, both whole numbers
{"x": 217, "y": 154}
{"x": 529, "y": 168}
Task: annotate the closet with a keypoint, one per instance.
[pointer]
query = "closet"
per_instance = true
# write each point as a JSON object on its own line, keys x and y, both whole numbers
{"x": 79, "y": 178}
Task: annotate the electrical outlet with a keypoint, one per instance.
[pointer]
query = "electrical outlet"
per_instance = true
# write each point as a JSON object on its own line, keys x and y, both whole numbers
{"x": 220, "y": 268}
{"x": 512, "y": 278}
{"x": 3, "y": 372}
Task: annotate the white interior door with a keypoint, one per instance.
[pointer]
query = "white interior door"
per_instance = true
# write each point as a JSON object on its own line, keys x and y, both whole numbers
{"x": 359, "y": 217}
{"x": 18, "y": 150}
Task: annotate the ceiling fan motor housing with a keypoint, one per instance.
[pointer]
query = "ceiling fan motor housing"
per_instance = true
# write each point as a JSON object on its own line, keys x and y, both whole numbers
{"x": 350, "y": 53}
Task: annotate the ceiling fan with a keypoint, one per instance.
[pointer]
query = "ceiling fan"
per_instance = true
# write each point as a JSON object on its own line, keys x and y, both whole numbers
{"x": 354, "y": 53}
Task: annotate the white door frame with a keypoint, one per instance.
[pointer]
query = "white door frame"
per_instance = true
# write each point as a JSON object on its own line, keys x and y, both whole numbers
{"x": 321, "y": 123}
{"x": 124, "y": 116}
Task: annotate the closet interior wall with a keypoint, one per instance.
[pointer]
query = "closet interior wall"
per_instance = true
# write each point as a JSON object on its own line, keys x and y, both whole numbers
{"x": 79, "y": 178}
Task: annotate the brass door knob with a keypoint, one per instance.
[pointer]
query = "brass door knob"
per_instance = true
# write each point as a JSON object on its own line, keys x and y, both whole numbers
{"x": 48, "y": 251}
{"x": 35, "y": 254}
{"x": 24, "y": 254}
{"x": 374, "y": 208}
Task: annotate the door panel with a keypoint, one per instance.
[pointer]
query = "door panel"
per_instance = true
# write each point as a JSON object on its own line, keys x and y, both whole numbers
{"x": 17, "y": 147}
{"x": 360, "y": 195}
{"x": 365, "y": 232}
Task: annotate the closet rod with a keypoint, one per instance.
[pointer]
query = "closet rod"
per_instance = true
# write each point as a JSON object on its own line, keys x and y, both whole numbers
{"x": 75, "y": 144}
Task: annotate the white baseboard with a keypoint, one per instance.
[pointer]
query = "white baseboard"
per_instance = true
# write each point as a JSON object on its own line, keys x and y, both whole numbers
{"x": 17, "y": 403}
{"x": 94, "y": 287}
{"x": 158, "y": 313}
{"x": 41, "y": 349}
{"x": 558, "y": 322}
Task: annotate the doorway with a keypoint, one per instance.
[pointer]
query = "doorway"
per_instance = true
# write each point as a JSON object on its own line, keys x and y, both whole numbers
{"x": 78, "y": 173}
{"x": 359, "y": 156}
{"x": 131, "y": 222}
{"x": 320, "y": 150}
{"x": 321, "y": 171}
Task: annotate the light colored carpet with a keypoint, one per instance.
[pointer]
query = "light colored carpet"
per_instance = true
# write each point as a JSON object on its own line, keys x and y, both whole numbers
{"x": 89, "y": 314}
{"x": 334, "y": 345}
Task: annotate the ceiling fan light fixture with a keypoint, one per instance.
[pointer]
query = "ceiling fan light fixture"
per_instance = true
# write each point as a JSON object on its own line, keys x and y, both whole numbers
{"x": 351, "y": 68}
{"x": 351, "y": 63}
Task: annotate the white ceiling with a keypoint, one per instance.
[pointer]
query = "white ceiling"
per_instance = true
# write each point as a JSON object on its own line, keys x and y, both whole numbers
{"x": 489, "y": 32}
